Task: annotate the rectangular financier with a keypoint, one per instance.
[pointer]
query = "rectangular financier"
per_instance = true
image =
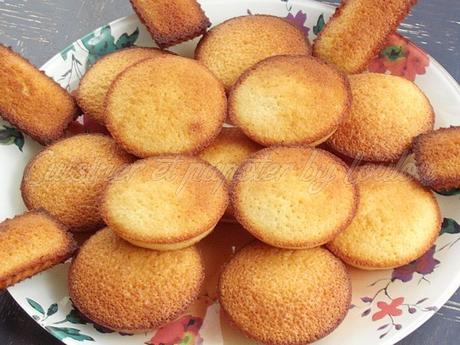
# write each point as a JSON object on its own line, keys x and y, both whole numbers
{"x": 31, "y": 243}
{"x": 32, "y": 101}
{"x": 357, "y": 31}
{"x": 171, "y": 21}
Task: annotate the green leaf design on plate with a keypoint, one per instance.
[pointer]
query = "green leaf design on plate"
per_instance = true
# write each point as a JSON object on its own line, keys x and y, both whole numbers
{"x": 73, "y": 317}
{"x": 450, "y": 192}
{"x": 126, "y": 40}
{"x": 450, "y": 226}
{"x": 10, "y": 135}
{"x": 319, "y": 25}
{"x": 393, "y": 53}
{"x": 52, "y": 309}
{"x": 66, "y": 51}
{"x": 68, "y": 332}
{"x": 36, "y": 306}
{"x": 103, "y": 42}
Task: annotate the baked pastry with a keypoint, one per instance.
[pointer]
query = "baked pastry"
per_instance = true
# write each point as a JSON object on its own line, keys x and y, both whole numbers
{"x": 293, "y": 197}
{"x": 263, "y": 104}
{"x": 166, "y": 202}
{"x": 397, "y": 220}
{"x": 387, "y": 113}
{"x": 172, "y": 21}
{"x": 32, "y": 243}
{"x": 238, "y": 43}
{"x": 358, "y": 30}
{"x": 217, "y": 248}
{"x": 31, "y": 101}
{"x": 130, "y": 289}
{"x": 437, "y": 157}
{"x": 279, "y": 297}
{"x": 168, "y": 104}
{"x": 228, "y": 151}
{"x": 67, "y": 179}
{"x": 96, "y": 82}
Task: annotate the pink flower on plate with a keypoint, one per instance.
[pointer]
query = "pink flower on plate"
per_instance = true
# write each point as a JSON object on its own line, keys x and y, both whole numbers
{"x": 388, "y": 309}
{"x": 184, "y": 331}
{"x": 299, "y": 20}
{"x": 400, "y": 57}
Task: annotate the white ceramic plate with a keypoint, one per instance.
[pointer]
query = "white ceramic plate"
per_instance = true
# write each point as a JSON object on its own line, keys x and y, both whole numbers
{"x": 387, "y": 305}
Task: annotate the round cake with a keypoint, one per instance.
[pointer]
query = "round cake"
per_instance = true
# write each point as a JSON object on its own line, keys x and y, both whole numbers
{"x": 387, "y": 113}
{"x": 96, "y": 82}
{"x": 130, "y": 289}
{"x": 277, "y": 296}
{"x": 397, "y": 220}
{"x": 168, "y": 104}
{"x": 238, "y": 43}
{"x": 293, "y": 197}
{"x": 290, "y": 100}
{"x": 67, "y": 179}
{"x": 166, "y": 202}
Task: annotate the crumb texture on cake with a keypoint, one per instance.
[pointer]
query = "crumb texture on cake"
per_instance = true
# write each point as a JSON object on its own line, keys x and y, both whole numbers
{"x": 289, "y": 100}
{"x": 437, "y": 156}
{"x": 238, "y": 43}
{"x": 280, "y": 297}
{"x": 31, "y": 243}
{"x": 357, "y": 31}
{"x": 67, "y": 178}
{"x": 165, "y": 200}
{"x": 172, "y": 21}
{"x": 168, "y": 104}
{"x": 229, "y": 150}
{"x": 131, "y": 289}
{"x": 32, "y": 101}
{"x": 386, "y": 114}
{"x": 397, "y": 220}
{"x": 96, "y": 82}
{"x": 293, "y": 197}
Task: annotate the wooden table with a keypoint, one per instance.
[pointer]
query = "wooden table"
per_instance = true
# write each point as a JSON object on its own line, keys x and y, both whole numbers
{"x": 40, "y": 28}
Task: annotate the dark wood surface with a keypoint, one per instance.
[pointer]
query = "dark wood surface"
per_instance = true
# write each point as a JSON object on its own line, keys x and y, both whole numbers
{"x": 40, "y": 28}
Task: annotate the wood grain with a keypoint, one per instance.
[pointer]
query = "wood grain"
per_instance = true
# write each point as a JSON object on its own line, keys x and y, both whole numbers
{"x": 40, "y": 28}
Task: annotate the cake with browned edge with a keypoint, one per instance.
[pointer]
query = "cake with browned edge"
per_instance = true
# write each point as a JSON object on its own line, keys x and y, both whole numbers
{"x": 31, "y": 243}
{"x": 397, "y": 220}
{"x": 32, "y": 101}
{"x": 278, "y": 297}
{"x": 67, "y": 179}
{"x": 293, "y": 197}
{"x": 130, "y": 289}
{"x": 231, "y": 47}
{"x": 165, "y": 202}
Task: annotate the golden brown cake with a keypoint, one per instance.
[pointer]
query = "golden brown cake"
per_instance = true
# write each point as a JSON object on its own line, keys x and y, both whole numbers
{"x": 277, "y": 296}
{"x": 168, "y": 104}
{"x": 238, "y": 43}
{"x": 357, "y": 31}
{"x": 172, "y": 21}
{"x": 290, "y": 100}
{"x": 228, "y": 151}
{"x": 67, "y": 179}
{"x": 397, "y": 220}
{"x": 166, "y": 202}
{"x": 31, "y": 101}
{"x": 387, "y": 113}
{"x": 95, "y": 83}
{"x": 130, "y": 289}
{"x": 437, "y": 156}
{"x": 293, "y": 197}
{"x": 32, "y": 243}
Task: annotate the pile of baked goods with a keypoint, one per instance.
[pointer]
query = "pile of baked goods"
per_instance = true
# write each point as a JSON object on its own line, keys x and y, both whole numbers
{"x": 298, "y": 149}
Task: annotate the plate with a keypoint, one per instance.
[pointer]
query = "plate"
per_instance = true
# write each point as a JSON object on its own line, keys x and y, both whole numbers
{"x": 387, "y": 305}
